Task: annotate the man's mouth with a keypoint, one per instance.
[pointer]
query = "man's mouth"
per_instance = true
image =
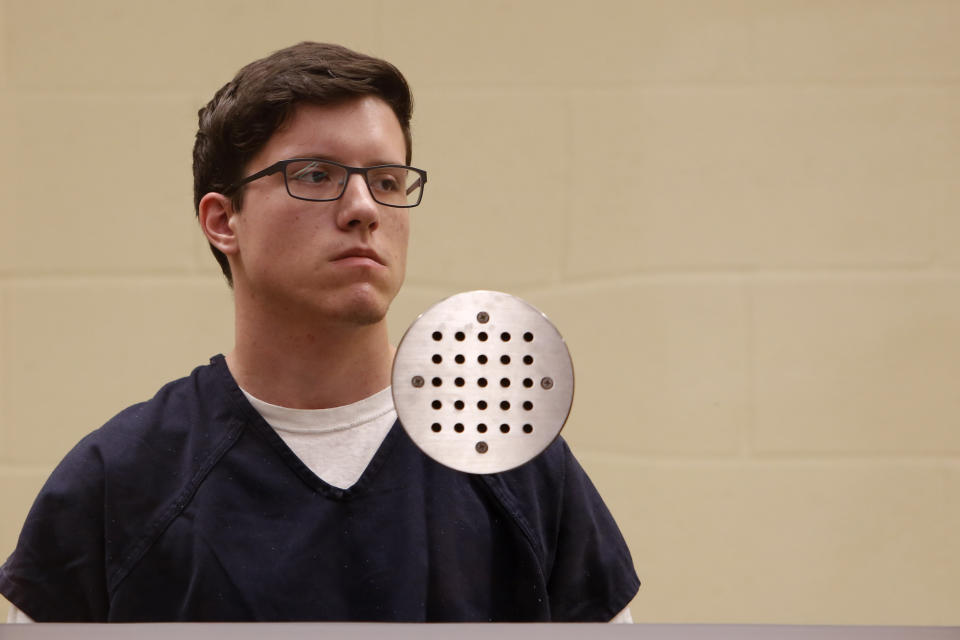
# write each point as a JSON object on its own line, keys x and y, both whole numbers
{"x": 359, "y": 255}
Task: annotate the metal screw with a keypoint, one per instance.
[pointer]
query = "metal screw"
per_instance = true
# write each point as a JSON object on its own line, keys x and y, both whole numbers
{"x": 547, "y": 383}
{"x": 417, "y": 381}
{"x": 482, "y": 447}
{"x": 483, "y": 317}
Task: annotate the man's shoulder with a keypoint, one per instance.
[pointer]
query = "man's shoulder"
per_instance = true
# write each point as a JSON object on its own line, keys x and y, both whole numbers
{"x": 114, "y": 492}
{"x": 145, "y": 459}
{"x": 544, "y": 474}
{"x": 165, "y": 434}
{"x": 173, "y": 406}
{"x": 178, "y": 410}
{"x": 554, "y": 502}
{"x": 533, "y": 493}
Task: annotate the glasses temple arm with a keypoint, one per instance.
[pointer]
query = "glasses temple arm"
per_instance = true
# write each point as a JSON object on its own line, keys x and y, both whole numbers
{"x": 416, "y": 185}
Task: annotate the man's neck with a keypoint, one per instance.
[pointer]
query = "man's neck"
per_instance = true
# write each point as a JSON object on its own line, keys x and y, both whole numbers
{"x": 311, "y": 367}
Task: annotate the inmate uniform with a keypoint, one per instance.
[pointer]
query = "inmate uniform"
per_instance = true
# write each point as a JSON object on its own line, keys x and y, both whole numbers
{"x": 191, "y": 507}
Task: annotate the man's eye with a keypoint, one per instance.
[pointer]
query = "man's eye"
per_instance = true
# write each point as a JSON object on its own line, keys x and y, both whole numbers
{"x": 384, "y": 183}
{"x": 310, "y": 172}
{"x": 313, "y": 177}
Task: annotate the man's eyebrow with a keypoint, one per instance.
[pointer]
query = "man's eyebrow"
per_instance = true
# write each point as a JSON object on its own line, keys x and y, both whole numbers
{"x": 378, "y": 162}
{"x": 322, "y": 156}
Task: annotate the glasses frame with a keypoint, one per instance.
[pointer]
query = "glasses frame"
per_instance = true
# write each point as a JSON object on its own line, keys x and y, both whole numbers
{"x": 281, "y": 167}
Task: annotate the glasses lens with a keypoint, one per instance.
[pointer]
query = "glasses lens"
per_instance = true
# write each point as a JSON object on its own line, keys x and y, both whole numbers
{"x": 315, "y": 179}
{"x": 395, "y": 186}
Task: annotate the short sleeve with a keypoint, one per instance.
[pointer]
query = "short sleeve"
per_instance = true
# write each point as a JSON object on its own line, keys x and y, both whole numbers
{"x": 57, "y": 571}
{"x": 592, "y": 576}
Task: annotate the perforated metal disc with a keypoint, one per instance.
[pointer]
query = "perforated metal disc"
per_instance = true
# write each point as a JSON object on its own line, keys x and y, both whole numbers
{"x": 482, "y": 382}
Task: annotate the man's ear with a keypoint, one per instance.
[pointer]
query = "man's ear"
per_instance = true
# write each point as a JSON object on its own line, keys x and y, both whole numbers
{"x": 215, "y": 211}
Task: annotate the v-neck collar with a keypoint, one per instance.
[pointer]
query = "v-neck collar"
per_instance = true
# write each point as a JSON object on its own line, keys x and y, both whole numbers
{"x": 251, "y": 417}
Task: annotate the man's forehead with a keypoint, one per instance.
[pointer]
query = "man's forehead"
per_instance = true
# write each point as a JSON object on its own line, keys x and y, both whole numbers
{"x": 364, "y": 128}
{"x": 317, "y": 113}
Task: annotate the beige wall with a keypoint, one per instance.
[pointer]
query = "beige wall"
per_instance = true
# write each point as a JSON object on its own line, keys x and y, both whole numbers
{"x": 742, "y": 214}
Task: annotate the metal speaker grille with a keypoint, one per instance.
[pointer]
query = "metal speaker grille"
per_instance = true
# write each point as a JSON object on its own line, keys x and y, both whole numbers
{"x": 482, "y": 382}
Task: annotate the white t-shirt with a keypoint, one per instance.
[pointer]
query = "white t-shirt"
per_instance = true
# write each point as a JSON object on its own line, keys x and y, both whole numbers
{"x": 336, "y": 444}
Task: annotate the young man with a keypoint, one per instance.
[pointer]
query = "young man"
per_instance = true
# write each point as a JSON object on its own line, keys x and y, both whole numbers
{"x": 274, "y": 483}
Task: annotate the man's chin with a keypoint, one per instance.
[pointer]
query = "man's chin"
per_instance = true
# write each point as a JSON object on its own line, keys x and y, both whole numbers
{"x": 364, "y": 307}
{"x": 363, "y": 317}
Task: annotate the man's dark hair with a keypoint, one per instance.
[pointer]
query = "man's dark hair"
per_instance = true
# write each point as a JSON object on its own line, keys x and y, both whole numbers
{"x": 246, "y": 111}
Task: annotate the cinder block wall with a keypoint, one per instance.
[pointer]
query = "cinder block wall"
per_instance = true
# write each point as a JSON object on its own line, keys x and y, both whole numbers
{"x": 741, "y": 214}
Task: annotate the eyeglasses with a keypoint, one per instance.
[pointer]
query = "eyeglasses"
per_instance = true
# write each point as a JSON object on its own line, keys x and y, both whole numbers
{"x": 393, "y": 185}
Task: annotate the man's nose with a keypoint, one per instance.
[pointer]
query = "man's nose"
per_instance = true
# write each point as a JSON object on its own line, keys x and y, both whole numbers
{"x": 358, "y": 208}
